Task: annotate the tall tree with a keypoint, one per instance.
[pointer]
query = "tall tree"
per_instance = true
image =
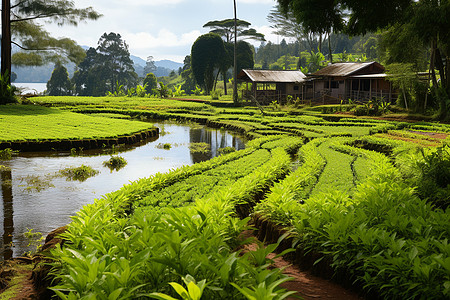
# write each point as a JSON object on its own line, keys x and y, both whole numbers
{"x": 150, "y": 83}
{"x": 88, "y": 77}
{"x": 188, "y": 76}
{"x": 245, "y": 56}
{"x": 59, "y": 84}
{"x": 150, "y": 66}
{"x": 285, "y": 24}
{"x": 225, "y": 28}
{"x": 118, "y": 67}
{"x": 207, "y": 55}
{"x": 20, "y": 27}
{"x": 427, "y": 21}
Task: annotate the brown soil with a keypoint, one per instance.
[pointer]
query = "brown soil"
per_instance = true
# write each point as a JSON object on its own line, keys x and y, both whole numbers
{"x": 307, "y": 285}
{"x": 434, "y": 135}
{"x": 17, "y": 282}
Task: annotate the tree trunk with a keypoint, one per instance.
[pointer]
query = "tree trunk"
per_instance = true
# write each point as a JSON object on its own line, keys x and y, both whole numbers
{"x": 6, "y": 40}
{"x": 329, "y": 47}
{"x": 404, "y": 96}
{"x": 225, "y": 82}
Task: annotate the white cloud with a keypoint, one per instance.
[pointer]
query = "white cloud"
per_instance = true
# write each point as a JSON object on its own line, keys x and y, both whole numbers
{"x": 163, "y": 39}
{"x": 257, "y": 1}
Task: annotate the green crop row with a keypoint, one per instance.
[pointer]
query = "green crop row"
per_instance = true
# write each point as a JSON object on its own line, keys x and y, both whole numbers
{"x": 286, "y": 195}
{"x": 120, "y": 102}
{"x": 141, "y": 188}
{"x": 35, "y": 123}
{"x": 384, "y": 236}
{"x": 290, "y": 144}
{"x": 324, "y": 130}
{"x": 184, "y": 192}
{"x": 337, "y": 174}
{"x": 110, "y": 257}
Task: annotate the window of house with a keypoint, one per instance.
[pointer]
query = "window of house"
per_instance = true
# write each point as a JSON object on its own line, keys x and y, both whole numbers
{"x": 334, "y": 84}
{"x": 296, "y": 88}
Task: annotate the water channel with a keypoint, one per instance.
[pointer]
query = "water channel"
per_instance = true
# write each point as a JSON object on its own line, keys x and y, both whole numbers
{"x": 33, "y": 197}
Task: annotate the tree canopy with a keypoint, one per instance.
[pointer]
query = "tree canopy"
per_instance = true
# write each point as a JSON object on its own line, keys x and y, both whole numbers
{"x": 37, "y": 46}
{"x": 225, "y": 28}
{"x": 150, "y": 83}
{"x": 105, "y": 68}
{"x": 412, "y": 27}
{"x": 59, "y": 84}
{"x": 206, "y": 58}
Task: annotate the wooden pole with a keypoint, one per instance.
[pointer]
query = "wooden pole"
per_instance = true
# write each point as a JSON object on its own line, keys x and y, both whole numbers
{"x": 235, "y": 95}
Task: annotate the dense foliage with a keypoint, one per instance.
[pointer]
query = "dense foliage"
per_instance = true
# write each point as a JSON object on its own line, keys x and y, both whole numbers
{"x": 108, "y": 68}
{"x": 365, "y": 198}
{"x": 59, "y": 84}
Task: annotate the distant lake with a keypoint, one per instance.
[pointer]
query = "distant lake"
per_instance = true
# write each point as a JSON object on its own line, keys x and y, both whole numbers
{"x": 31, "y": 87}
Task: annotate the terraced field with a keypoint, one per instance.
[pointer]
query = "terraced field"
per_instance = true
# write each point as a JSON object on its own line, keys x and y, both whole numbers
{"x": 354, "y": 200}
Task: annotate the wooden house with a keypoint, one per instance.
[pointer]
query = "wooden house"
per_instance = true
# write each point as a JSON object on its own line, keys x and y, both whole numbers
{"x": 356, "y": 81}
{"x": 272, "y": 85}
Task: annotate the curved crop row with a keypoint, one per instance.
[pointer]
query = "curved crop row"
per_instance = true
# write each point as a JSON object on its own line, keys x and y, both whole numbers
{"x": 141, "y": 256}
{"x": 285, "y": 196}
{"x": 185, "y": 191}
{"x": 384, "y": 236}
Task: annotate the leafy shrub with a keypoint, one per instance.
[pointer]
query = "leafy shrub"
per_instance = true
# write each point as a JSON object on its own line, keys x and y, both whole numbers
{"x": 115, "y": 163}
{"x": 165, "y": 146}
{"x": 429, "y": 170}
{"x": 163, "y": 90}
{"x": 7, "y": 91}
{"x": 7, "y": 154}
{"x": 81, "y": 173}
{"x": 216, "y": 94}
{"x": 198, "y": 91}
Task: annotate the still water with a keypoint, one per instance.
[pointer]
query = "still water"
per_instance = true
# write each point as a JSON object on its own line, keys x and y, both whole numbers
{"x": 31, "y": 87}
{"x": 49, "y": 203}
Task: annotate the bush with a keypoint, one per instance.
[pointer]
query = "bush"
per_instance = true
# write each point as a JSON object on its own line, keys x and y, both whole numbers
{"x": 81, "y": 173}
{"x": 215, "y": 95}
{"x": 115, "y": 163}
{"x": 7, "y": 91}
{"x": 429, "y": 170}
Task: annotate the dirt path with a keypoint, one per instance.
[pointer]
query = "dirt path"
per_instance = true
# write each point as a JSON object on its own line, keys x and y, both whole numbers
{"x": 307, "y": 286}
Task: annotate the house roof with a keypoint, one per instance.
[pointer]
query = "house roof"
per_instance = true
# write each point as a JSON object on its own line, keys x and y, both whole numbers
{"x": 344, "y": 69}
{"x": 272, "y": 76}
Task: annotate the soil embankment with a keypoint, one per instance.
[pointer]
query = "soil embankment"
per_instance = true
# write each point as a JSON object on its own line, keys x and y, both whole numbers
{"x": 67, "y": 145}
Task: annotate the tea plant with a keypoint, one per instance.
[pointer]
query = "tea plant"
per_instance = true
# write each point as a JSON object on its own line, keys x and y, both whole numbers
{"x": 54, "y": 124}
{"x": 185, "y": 191}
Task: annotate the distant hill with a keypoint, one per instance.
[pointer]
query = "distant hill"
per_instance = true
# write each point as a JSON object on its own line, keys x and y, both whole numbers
{"x": 163, "y": 67}
{"x": 42, "y": 74}
{"x": 168, "y": 64}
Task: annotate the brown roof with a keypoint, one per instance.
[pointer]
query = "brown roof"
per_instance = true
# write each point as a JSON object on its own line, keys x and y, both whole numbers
{"x": 271, "y": 76}
{"x": 344, "y": 69}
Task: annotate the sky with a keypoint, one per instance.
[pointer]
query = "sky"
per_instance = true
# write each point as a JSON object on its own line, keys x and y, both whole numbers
{"x": 164, "y": 29}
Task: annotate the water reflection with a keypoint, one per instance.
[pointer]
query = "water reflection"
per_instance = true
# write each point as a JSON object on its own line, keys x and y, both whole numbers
{"x": 216, "y": 139}
{"x": 52, "y": 206}
{"x": 8, "y": 212}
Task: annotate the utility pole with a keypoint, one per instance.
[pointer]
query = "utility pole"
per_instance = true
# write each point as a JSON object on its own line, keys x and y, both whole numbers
{"x": 235, "y": 95}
